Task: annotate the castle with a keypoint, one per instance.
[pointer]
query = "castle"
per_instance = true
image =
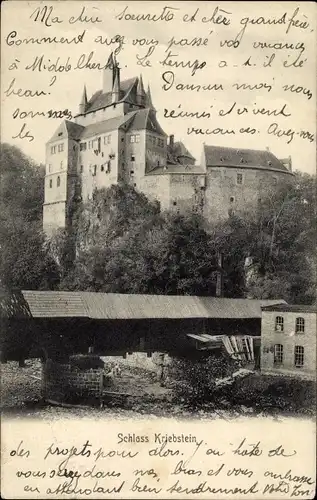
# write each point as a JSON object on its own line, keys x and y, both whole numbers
{"x": 116, "y": 138}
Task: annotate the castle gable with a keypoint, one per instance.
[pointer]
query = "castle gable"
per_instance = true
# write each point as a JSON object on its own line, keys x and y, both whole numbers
{"x": 68, "y": 130}
{"x": 216, "y": 156}
{"x": 145, "y": 119}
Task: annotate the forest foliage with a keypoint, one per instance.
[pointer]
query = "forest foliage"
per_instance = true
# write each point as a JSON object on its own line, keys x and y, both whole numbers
{"x": 125, "y": 244}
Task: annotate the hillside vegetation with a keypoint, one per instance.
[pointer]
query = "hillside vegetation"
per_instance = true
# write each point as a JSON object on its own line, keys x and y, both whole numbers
{"x": 121, "y": 242}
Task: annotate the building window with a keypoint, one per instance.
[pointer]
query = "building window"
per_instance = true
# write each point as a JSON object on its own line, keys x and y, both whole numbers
{"x": 81, "y": 168}
{"x": 61, "y": 147}
{"x": 58, "y": 182}
{"x": 53, "y": 150}
{"x": 174, "y": 203}
{"x": 94, "y": 170}
{"x": 300, "y": 325}
{"x": 102, "y": 168}
{"x": 239, "y": 178}
{"x": 51, "y": 183}
{"x": 132, "y": 138}
{"x": 299, "y": 356}
{"x": 137, "y": 138}
{"x": 107, "y": 139}
{"x": 132, "y": 157}
{"x": 83, "y": 146}
{"x": 278, "y": 354}
{"x": 279, "y": 324}
{"x": 231, "y": 199}
{"x": 108, "y": 167}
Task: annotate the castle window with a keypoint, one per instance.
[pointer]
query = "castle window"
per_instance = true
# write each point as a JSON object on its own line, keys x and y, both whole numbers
{"x": 137, "y": 138}
{"x": 61, "y": 147}
{"x": 59, "y": 134}
{"x": 231, "y": 199}
{"x": 53, "y": 150}
{"x": 102, "y": 168}
{"x": 132, "y": 138}
{"x": 83, "y": 146}
{"x": 107, "y": 139}
{"x": 108, "y": 167}
{"x": 239, "y": 178}
{"x": 49, "y": 168}
{"x": 174, "y": 203}
{"x": 58, "y": 182}
{"x": 299, "y": 356}
{"x": 278, "y": 354}
{"x": 132, "y": 172}
{"x": 94, "y": 172}
{"x": 51, "y": 183}
{"x": 274, "y": 181}
{"x": 122, "y": 139}
{"x": 300, "y": 325}
{"x": 132, "y": 157}
{"x": 279, "y": 324}
{"x": 81, "y": 168}
{"x": 134, "y": 184}
{"x": 62, "y": 165}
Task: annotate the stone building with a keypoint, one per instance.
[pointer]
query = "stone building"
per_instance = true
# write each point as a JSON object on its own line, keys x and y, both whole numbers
{"x": 116, "y": 137}
{"x": 289, "y": 340}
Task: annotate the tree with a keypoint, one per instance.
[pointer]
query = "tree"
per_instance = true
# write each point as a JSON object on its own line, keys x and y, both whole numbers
{"x": 24, "y": 261}
{"x": 280, "y": 239}
{"x": 130, "y": 247}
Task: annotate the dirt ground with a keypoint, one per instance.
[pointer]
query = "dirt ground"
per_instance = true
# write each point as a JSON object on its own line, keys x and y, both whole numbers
{"x": 21, "y": 392}
{"x": 145, "y": 398}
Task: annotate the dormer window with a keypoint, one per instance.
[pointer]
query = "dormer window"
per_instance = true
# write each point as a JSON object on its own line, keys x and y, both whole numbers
{"x": 60, "y": 133}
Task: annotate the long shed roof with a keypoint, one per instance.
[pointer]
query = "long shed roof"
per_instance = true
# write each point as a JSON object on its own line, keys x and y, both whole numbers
{"x": 112, "y": 306}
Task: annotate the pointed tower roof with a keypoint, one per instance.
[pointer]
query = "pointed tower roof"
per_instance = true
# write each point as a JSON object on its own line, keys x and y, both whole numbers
{"x": 111, "y": 61}
{"x": 148, "y": 99}
{"x": 140, "y": 88}
{"x": 84, "y": 99}
{"x": 116, "y": 83}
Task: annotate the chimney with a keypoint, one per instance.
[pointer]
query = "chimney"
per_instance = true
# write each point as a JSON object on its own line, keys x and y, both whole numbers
{"x": 219, "y": 282}
{"x": 171, "y": 143}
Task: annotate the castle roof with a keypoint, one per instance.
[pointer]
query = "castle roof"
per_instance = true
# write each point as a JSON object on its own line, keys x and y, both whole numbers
{"x": 141, "y": 119}
{"x": 106, "y": 126}
{"x": 101, "y": 99}
{"x": 145, "y": 119}
{"x": 216, "y": 156}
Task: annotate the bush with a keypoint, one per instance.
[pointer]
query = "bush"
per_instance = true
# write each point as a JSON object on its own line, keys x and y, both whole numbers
{"x": 272, "y": 393}
{"x": 86, "y": 362}
{"x": 195, "y": 380}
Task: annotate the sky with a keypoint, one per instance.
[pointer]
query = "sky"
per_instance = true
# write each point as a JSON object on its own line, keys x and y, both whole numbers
{"x": 64, "y": 91}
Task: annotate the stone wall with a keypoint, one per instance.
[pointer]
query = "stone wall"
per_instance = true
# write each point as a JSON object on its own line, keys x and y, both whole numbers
{"x": 63, "y": 382}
